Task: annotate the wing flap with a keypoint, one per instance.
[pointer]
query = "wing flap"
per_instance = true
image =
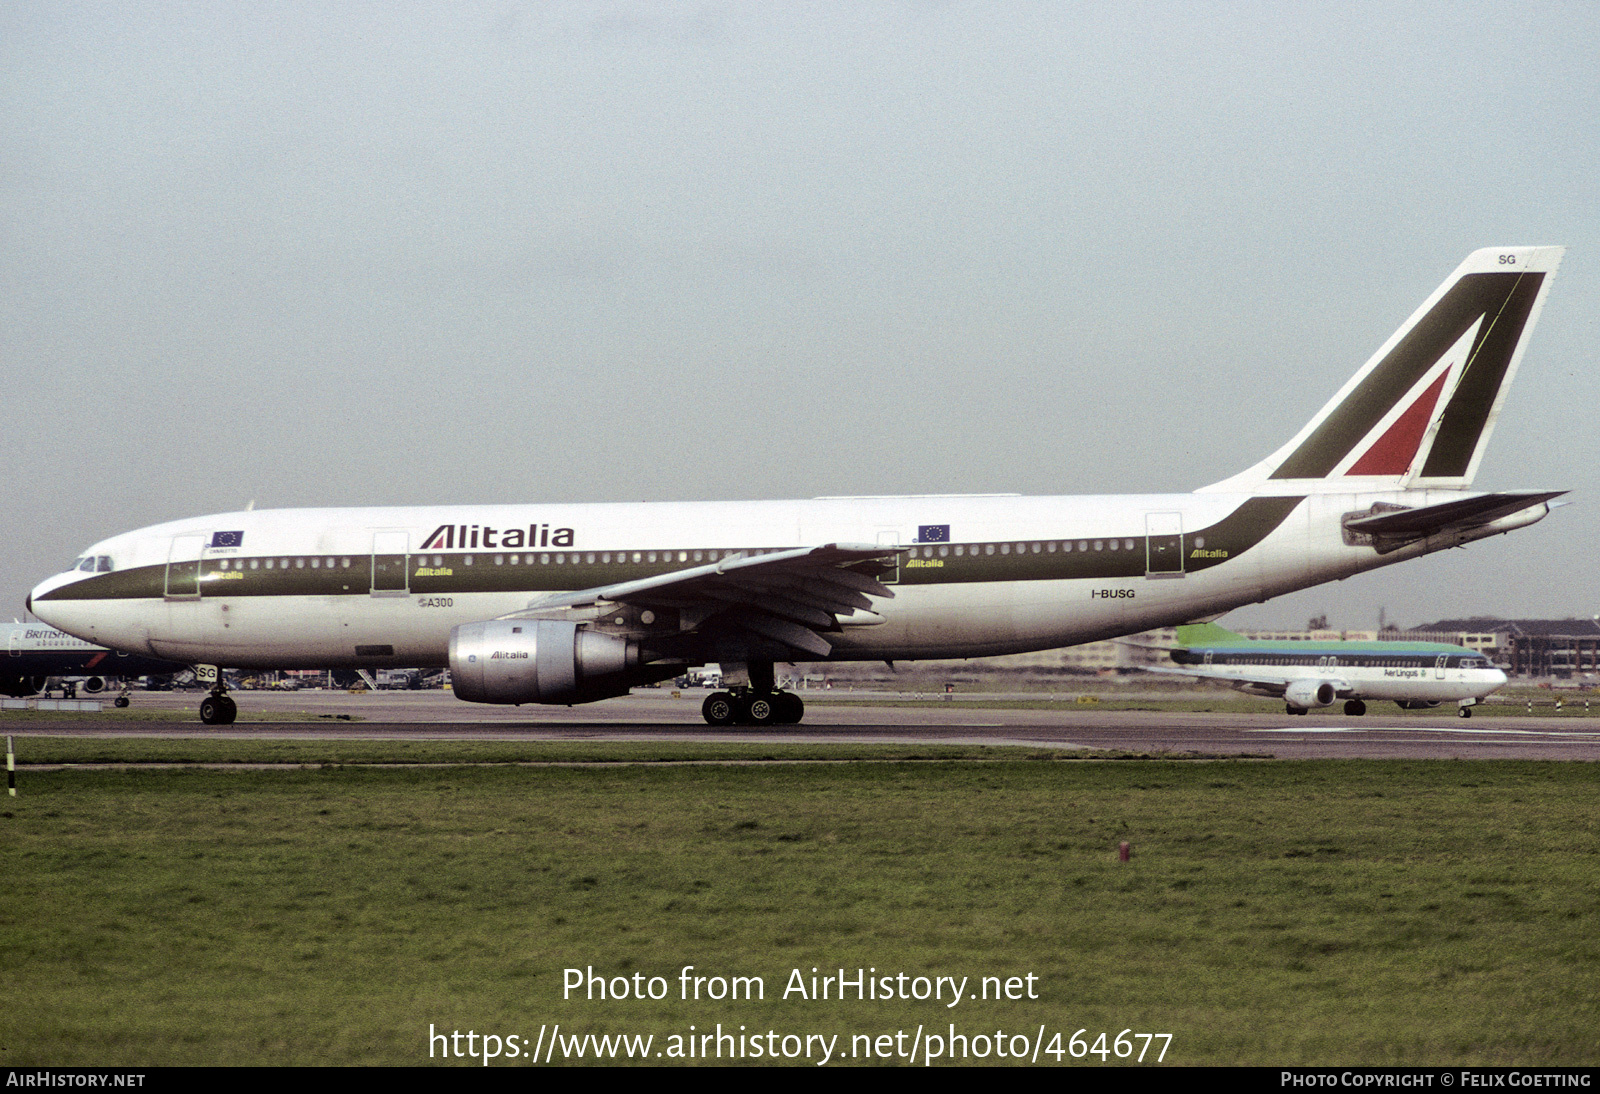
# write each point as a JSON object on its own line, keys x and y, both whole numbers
{"x": 790, "y": 634}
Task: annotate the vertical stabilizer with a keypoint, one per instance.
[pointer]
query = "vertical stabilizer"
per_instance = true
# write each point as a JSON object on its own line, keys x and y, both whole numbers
{"x": 1419, "y": 412}
{"x": 1191, "y": 635}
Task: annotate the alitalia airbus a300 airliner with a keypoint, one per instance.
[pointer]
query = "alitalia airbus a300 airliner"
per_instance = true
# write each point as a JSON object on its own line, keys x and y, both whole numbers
{"x": 573, "y": 603}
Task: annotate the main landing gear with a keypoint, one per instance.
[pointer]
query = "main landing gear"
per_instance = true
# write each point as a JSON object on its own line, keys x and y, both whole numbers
{"x": 759, "y": 703}
{"x": 1355, "y": 708}
{"x": 748, "y": 707}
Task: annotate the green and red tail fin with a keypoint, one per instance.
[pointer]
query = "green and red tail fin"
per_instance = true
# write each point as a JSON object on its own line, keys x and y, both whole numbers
{"x": 1419, "y": 413}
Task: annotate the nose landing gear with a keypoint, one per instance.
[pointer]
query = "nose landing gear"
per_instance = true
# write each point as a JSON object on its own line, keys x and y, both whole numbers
{"x": 216, "y": 709}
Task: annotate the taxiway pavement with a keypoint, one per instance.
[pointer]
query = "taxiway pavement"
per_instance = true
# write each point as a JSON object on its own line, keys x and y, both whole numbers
{"x": 859, "y": 717}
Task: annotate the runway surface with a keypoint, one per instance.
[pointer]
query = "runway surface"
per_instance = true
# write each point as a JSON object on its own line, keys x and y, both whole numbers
{"x": 655, "y": 715}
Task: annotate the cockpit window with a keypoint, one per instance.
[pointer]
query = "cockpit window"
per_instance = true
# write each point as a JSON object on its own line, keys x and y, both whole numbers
{"x": 86, "y": 564}
{"x": 102, "y": 564}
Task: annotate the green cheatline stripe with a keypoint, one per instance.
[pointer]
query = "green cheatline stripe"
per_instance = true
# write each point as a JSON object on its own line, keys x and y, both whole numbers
{"x": 1229, "y": 538}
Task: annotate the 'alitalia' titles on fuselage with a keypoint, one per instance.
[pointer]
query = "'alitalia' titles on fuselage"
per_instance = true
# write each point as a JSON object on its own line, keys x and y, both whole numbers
{"x": 474, "y": 536}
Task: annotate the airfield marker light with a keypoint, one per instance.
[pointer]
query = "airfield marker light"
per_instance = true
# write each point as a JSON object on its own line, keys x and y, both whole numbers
{"x": 1124, "y": 852}
{"x": 11, "y": 768}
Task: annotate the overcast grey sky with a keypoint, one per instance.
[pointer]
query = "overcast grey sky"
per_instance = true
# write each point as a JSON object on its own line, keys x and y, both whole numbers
{"x": 395, "y": 253}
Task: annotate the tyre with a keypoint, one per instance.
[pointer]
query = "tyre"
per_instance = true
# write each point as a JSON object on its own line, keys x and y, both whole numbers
{"x": 1355, "y": 708}
{"x": 790, "y": 708}
{"x": 218, "y": 710}
{"x": 760, "y": 710}
{"x": 717, "y": 710}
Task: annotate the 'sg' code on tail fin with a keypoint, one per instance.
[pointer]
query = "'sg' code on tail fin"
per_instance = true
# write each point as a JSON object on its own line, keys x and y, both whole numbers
{"x": 1419, "y": 412}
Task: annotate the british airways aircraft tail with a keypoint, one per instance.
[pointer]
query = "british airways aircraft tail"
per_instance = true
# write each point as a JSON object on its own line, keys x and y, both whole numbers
{"x": 1419, "y": 413}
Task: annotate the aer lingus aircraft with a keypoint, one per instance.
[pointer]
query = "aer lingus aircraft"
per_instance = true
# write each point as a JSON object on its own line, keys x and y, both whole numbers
{"x": 573, "y": 603}
{"x": 1318, "y": 674}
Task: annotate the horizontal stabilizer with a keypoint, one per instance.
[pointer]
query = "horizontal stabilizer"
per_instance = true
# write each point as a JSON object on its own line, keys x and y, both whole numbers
{"x": 1451, "y": 516}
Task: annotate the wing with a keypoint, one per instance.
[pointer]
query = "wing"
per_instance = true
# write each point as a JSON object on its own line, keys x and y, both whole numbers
{"x": 792, "y": 597}
{"x": 1258, "y": 683}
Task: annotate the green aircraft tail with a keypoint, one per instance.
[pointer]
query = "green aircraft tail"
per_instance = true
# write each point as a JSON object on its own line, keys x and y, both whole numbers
{"x": 1207, "y": 634}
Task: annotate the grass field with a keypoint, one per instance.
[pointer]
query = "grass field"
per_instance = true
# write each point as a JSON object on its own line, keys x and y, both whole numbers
{"x": 1272, "y": 913}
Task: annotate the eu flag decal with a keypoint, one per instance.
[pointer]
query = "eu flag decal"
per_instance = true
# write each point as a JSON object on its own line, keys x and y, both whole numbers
{"x": 227, "y": 539}
{"x": 933, "y": 533}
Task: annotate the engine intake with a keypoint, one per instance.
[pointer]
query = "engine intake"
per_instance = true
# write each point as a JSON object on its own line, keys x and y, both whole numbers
{"x": 19, "y": 687}
{"x": 1309, "y": 693}
{"x": 537, "y": 661}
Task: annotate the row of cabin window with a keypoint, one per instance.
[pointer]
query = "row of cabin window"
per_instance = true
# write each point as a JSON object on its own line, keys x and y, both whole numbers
{"x": 944, "y": 550}
{"x": 282, "y": 563}
{"x": 577, "y": 558}
{"x": 1065, "y": 546}
{"x": 1421, "y": 662}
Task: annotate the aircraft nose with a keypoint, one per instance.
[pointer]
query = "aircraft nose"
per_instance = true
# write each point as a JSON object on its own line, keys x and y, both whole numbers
{"x": 37, "y": 593}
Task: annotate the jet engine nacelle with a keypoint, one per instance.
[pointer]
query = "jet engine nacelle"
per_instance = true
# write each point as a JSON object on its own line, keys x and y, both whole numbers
{"x": 1416, "y": 704}
{"x": 19, "y": 687}
{"x": 93, "y": 684}
{"x": 537, "y": 661}
{"x": 1309, "y": 693}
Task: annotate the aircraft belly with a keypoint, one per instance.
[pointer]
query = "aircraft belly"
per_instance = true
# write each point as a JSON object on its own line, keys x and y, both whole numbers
{"x": 317, "y": 632}
{"x": 989, "y": 618}
{"x": 1428, "y": 689}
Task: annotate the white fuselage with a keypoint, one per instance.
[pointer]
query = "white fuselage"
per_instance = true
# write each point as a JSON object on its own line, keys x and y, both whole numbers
{"x": 302, "y": 588}
{"x": 1369, "y": 671}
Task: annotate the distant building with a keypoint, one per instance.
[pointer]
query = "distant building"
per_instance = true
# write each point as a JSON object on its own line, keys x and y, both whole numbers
{"x": 1528, "y": 647}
